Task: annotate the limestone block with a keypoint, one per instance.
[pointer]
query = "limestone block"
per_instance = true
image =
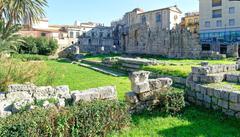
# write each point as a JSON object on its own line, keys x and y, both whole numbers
{"x": 228, "y": 112}
{"x": 146, "y": 96}
{"x": 204, "y": 71}
{"x": 196, "y": 78}
{"x": 22, "y": 87}
{"x": 204, "y": 64}
{"x": 224, "y": 95}
{"x": 198, "y": 88}
{"x": 199, "y": 102}
{"x": 207, "y": 99}
{"x": 5, "y": 108}
{"x": 131, "y": 97}
{"x": 215, "y": 107}
{"x": 4, "y": 114}
{"x": 214, "y": 100}
{"x": 102, "y": 93}
{"x": 223, "y": 104}
{"x": 17, "y": 106}
{"x": 139, "y": 76}
{"x": 141, "y": 87}
{"x": 2, "y": 96}
{"x": 199, "y": 96}
{"x": 155, "y": 84}
{"x": 233, "y": 97}
{"x": 216, "y": 93}
{"x": 18, "y": 95}
{"x": 166, "y": 82}
{"x": 237, "y": 115}
{"x": 210, "y": 91}
{"x": 61, "y": 103}
{"x": 195, "y": 70}
{"x": 191, "y": 93}
{"x": 203, "y": 90}
{"x": 232, "y": 78}
{"x": 152, "y": 103}
{"x": 46, "y": 92}
{"x": 234, "y": 106}
{"x": 63, "y": 92}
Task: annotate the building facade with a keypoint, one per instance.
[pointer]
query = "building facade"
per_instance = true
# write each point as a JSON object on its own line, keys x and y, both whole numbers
{"x": 219, "y": 24}
{"x": 191, "y": 22}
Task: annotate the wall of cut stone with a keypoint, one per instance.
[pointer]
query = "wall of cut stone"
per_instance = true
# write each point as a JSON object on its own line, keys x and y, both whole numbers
{"x": 170, "y": 43}
{"x": 225, "y": 99}
{"x": 145, "y": 92}
{"x": 19, "y": 96}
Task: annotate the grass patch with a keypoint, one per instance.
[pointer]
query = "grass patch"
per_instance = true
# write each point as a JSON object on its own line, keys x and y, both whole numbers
{"x": 100, "y": 57}
{"x": 80, "y": 78}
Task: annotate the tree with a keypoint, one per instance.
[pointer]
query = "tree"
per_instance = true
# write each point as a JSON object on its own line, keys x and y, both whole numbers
{"x": 15, "y": 11}
{"x": 9, "y": 39}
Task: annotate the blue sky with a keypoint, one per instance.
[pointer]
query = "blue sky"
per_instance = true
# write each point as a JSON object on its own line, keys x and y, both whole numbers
{"x": 105, "y": 11}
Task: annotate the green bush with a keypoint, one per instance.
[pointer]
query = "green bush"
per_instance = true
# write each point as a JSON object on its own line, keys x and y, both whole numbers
{"x": 41, "y": 45}
{"x": 84, "y": 119}
{"x": 172, "y": 101}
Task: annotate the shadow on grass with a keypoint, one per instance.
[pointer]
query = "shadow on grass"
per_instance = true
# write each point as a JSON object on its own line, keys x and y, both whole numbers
{"x": 202, "y": 122}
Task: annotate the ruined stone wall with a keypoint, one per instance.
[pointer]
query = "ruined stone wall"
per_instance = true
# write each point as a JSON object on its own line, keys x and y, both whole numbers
{"x": 221, "y": 98}
{"x": 19, "y": 96}
{"x": 145, "y": 91}
{"x": 175, "y": 43}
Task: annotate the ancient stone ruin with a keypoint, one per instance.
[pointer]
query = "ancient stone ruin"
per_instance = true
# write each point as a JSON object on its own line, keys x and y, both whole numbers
{"x": 20, "y": 96}
{"x": 215, "y": 87}
{"x": 145, "y": 91}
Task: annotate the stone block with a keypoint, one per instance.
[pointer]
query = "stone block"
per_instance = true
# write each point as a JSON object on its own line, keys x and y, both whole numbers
{"x": 166, "y": 82}
{"x": 2, "y": 96}
{"x": 101, "y": 93}
{"x": 216, "y": 93}
{"x": 232, "y": 78}
{"x": 203, "y": 90}
{"x": 199, "y": 102}
{"x": 206, "y": 105}
{"x": 195, "y": 70}
{"x": 139, "y": 76}
{"x": 17, "y": 106}
{"x": 61, "y": 103}
{"x": 216, "y": 107}
{"x": 155, "y": 84}
{"x": 191, "y": 93}
{"x": 146, "y": 96}
{"x": 224, "y": 95}
{"x": 210, "y": 91}
{"x": 131, "y": 97}
{"x": 223, "y": 103}
{"x": 214, "y": 100}
{"x": 233, "y": 97}
{"x": 237, "y": 115}
{"x": 5, "y": 107}
{"x": 43, "y": 93}
{"x": 196, "y": 78}
{"x": 63, "y": 92}
{"x": 152, "y": 103}
{"x": 228, "y": 112}
{"x": 207, "y": 99}
{"x": 198, "y": 88}
{"x": 200, "y": 96}
{"x": 22, "y": 87}
{"x": 18, "y": 95}
{"x": 141, "y": 87}
{"x": 234, "y": 106}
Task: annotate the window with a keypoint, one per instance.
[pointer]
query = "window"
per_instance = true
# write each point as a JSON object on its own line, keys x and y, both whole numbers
{"x": 207, "y": 24}
{"x": 219, "y": 23}
{"x": 77, "y": 34}
{"x": 144, "y": 19}
{"x": 158, "y": 18}
{"x": 217, "y": 13}
{"x": 231, "y": 22}
{"x": 43, "y": 34}
{"x": 71, "y": 34}
{"x": 216, "y": 3}
{"x": 231, "y": 10}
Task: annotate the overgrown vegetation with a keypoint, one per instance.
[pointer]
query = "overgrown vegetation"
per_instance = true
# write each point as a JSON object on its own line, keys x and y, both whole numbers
{"x": 30, "y": 57}
{"x": 87, "y": 119}
{"x": 15, "y": 71}
{"x": 41, "y": 46}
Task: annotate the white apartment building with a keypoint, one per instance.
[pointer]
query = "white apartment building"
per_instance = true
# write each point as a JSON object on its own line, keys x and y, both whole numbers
{"x": 219, "y": 23}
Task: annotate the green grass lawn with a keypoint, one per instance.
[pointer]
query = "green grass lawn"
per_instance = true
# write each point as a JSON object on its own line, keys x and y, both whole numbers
{"x": 193, "y": 122}
{"x": 80, "y": 78}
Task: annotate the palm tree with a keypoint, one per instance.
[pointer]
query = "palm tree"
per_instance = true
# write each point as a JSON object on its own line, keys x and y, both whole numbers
{"x": 15, "y": 11}
{"x": 9, "y": 39}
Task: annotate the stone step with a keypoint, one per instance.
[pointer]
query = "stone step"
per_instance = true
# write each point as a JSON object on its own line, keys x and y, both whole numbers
{"x": 102, "y": 70}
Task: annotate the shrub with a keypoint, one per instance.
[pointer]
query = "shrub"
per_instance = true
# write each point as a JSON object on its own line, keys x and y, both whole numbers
{"x": 84, "y": 119}
{"x": 41, "y": 45}
{"x": 15, "y": 71}
{"x": 172, "y": 101}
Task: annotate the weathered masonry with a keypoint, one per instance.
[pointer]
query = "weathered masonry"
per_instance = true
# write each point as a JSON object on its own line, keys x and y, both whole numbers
{"x": 215, "y": 87}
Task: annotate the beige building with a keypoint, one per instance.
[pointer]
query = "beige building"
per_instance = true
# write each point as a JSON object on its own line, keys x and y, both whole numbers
{"x": 219, "y": 24}
{"x": 165, "y": 18}
{"x": 191, "y": 22}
